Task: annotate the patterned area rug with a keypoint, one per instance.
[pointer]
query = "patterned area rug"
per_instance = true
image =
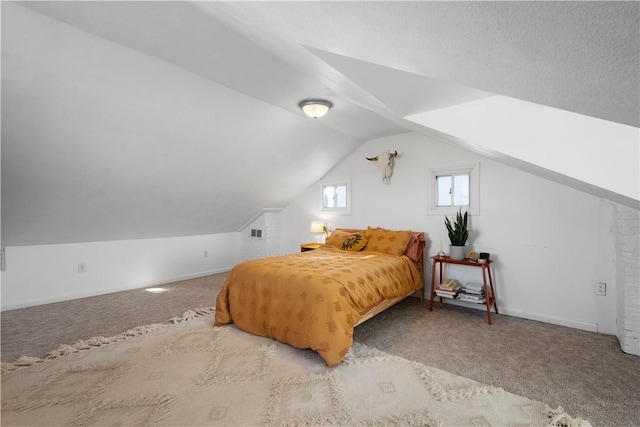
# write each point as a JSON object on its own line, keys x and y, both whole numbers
{"x": 191, "y": 373}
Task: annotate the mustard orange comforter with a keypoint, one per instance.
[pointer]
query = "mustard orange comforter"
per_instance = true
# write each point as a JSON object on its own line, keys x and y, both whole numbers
{"x": 312, "y": 299}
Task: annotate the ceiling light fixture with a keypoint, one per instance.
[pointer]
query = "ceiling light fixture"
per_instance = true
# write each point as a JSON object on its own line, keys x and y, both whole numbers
{"x": 315, "y": 108}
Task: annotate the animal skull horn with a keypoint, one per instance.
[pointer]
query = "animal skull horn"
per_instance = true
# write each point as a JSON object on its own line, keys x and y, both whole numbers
{"x": 385, "y": 164}
{"x": 391, "y": 155}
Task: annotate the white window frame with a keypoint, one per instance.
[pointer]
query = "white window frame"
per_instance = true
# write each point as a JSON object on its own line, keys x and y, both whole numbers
{"x": 334, "y": 183}
{"x": 471, "y": 169}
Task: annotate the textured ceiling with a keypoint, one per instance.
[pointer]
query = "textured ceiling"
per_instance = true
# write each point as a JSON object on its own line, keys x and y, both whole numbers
{"x": 577, "y": 56}
{"x": 252, "y": 62}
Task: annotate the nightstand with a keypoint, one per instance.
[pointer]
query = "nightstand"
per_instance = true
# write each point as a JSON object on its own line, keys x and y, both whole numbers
{"x": 490, "y": 296}
{"x": 309, "y": 246}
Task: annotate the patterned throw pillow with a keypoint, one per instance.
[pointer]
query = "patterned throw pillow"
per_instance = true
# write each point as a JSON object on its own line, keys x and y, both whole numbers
{"x": 354, "y": 242}
{"x": 387, "y": 241}
{"x": 336, "y": 238}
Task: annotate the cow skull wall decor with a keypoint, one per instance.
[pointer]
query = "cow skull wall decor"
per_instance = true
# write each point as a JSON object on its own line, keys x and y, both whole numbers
{"x": 385, "y": 164}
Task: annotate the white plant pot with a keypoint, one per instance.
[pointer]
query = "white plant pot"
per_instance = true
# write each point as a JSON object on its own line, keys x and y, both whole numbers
{"x": 457, "y": 252}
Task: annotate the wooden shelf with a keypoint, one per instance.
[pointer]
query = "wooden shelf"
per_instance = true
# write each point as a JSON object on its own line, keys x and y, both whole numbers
{"x": 490, "y": 300}
{"x": 466, "y": 261}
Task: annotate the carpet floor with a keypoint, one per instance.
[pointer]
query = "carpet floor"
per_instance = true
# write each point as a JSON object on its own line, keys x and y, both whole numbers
{"x": 586, "y": 373}
{"x": 188, "y": 373}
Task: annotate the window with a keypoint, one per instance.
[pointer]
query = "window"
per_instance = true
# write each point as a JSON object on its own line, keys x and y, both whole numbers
{"x": 336, "y": 197}
{"x": 452, "y": 190}
{"x": 455, "y": 188}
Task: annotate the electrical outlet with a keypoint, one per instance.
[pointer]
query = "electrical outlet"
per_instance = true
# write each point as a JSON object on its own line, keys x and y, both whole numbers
{"x": 82, "y": 267}
{"x": 601, "y": 289}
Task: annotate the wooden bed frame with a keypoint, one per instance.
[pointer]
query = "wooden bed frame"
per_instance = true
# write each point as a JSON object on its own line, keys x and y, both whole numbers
{"x": 384, "y": 304}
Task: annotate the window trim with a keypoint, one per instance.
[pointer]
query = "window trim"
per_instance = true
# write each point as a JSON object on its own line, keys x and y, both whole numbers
{"x": 336, "y": 182}
{"x": 473, "y": 170}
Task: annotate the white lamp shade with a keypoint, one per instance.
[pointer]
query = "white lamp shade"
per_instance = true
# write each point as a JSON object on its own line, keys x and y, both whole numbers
{"x": 317, "y": 227}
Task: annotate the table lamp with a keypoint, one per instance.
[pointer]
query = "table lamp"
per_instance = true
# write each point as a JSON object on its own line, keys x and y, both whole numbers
{"x": 317, "y": 228}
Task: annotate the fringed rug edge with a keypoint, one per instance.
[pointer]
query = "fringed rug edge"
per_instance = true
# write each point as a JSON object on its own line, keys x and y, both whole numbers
{"x": 81, "y": 345}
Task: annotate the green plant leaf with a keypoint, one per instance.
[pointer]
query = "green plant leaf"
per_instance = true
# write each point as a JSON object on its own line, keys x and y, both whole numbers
{"x": 457, "y": 231}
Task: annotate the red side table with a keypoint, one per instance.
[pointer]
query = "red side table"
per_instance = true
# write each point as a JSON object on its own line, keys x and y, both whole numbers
{"x": 490, "y": 299}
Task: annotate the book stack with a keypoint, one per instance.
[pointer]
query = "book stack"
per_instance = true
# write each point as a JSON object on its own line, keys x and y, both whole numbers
{"x": 472, "y": 292}
{"x": 448, "y": 289}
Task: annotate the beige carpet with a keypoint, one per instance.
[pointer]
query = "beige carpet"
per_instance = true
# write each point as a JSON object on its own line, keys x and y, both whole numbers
{"x": 190, "y": 373}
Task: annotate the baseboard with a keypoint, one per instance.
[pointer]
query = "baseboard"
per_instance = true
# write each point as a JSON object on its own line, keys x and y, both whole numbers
{"x": 186, "y": 277}
{"x": 129, "y": 287}
{"x": 591, "y": 327}
{"x": 531, "y": 316}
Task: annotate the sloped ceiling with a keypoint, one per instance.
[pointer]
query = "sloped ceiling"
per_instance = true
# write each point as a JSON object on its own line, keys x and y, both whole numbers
{"x": 215, "y": 133}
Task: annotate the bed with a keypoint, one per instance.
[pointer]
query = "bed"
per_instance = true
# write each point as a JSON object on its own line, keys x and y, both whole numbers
{"x": 315, "y": 299}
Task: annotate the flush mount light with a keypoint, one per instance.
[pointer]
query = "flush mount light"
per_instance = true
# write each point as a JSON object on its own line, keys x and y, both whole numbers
{"x": 315, "y": 108}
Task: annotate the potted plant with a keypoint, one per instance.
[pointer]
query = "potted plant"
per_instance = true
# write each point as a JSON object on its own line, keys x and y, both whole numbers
{"x": 458, "y": 235}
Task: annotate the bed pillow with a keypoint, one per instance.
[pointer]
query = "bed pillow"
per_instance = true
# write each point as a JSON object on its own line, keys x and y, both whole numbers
{"x": 416, "y": 245}
{"x": 355, "y": 242}
{"x": 390, "y": 242}
{"x": 337, "y": 238}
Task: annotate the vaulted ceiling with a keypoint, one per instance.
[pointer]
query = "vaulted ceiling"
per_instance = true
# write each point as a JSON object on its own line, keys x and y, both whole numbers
{"x": 207, "y": 165}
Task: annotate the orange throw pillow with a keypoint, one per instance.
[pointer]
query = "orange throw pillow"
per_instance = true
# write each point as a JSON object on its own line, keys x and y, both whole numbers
{"x": 337, "y": 238}
{"x": 390, "y": 242}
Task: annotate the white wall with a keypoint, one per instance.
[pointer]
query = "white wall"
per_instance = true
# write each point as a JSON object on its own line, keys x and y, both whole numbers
{"x": 269, "y": 222}
{"x": 49, "y": 273}
{"x": 626, "y": 223}
{"x": 543, "y": 236}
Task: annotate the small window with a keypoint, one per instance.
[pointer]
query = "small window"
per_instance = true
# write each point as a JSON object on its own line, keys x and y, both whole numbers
{"x": 455, "y": 188}
{"x": 336, "y": 197}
